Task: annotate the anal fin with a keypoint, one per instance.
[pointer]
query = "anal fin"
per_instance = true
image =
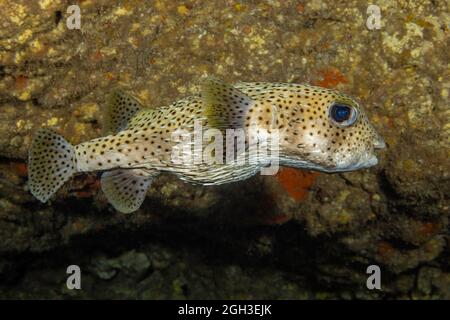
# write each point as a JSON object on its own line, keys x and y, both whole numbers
{"x": 126, "y": 188}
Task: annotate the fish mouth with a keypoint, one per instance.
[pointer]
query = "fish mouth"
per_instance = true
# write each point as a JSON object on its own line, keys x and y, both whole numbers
{"x": 379, "y": 143}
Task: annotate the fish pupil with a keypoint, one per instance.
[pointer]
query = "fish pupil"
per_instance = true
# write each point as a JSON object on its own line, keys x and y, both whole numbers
{"x": 340, "y": 113}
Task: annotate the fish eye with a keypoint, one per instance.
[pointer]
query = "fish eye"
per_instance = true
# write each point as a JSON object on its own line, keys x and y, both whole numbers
{"x": 342, "y": 115}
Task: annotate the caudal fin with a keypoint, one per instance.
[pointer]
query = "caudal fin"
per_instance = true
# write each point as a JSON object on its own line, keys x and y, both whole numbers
{"x": 51, "y": 162}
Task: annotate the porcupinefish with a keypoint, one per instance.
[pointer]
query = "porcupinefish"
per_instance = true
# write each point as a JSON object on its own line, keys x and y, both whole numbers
{"x": 318, "y": 129}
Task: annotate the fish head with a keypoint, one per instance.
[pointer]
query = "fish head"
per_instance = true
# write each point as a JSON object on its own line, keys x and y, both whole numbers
{"x": 333, "y": 133}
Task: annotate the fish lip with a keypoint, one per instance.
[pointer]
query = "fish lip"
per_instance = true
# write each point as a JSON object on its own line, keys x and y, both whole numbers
{"x": 379, "y": 143}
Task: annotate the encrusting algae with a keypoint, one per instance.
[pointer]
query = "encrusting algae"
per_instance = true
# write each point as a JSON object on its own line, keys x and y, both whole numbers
{"x": 314, "y": 128}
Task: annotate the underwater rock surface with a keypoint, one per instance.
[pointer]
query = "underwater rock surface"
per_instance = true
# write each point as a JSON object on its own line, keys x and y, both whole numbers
{"x": 297, "y": 235}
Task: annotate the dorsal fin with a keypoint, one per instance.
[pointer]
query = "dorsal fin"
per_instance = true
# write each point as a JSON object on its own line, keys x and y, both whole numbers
{"x": 120, "y": 108}
{"x": 224, "y": 106}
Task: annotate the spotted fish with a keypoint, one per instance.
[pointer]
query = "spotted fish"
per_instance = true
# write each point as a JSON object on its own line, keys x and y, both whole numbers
{"x": 318, "y": 129}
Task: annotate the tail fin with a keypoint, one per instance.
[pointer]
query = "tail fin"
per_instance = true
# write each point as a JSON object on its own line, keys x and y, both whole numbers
{"x": 51, "y": 162}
